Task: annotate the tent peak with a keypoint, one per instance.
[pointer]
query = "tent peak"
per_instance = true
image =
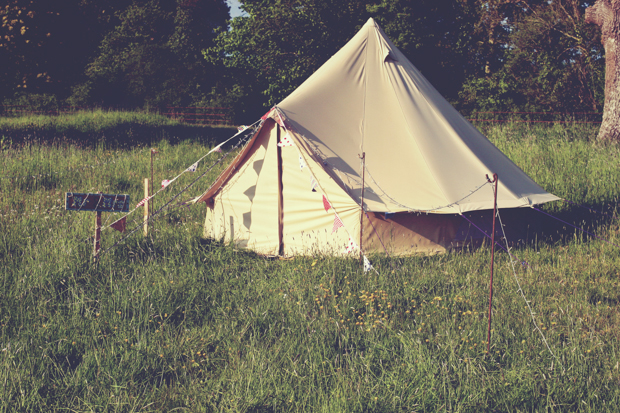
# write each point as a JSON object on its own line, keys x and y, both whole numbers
{"x": 370, "y": 22}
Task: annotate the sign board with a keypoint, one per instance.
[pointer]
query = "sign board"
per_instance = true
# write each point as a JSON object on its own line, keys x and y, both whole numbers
{"x": 96, "y": 202}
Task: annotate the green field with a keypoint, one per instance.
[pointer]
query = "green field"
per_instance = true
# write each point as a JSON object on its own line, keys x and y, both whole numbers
{"x": 174, "y": 322}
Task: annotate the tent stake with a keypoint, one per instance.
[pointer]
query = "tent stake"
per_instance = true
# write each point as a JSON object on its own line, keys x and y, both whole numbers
{"x": 494, "y": 181}
{"x": 363, "y": 157}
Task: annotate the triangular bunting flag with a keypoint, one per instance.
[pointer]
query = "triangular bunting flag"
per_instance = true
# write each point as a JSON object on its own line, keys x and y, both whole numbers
{"x": 165, "y": 183}
{"x": 285, "y": 141}
{"x": 143, "y": 201}
{"x": 241, "y": 128}
{"x": 337, "y": 223}
{"x": 266, "y": 114}
{"x": 367, "y": 265}
{"x": 326, "y": 204}
{"x": 193, "y": 167}
{"x": 313, "y": 184}
{"x": 351, "y": 246}
{"x": 120, "y": 224}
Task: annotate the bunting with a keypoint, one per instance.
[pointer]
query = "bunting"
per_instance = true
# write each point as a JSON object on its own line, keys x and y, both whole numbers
{"x": 313, "y": 184}
{"x": 351, "y": 246}
{"x": 337, "y": 223}
{"x": 120, "y": 224}
{"x": 144, "y": 201}
{"x": 326, "y": 204}
{"x": 285, "y": 141}
{"x": 192, "y": 168}
{"x": 165, "y": 183}
{"x": 367, "y": 265}
{"x": 266, "y": 115}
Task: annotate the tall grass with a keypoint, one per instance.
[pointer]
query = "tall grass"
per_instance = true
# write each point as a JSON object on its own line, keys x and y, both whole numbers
{"x": 173, "y": 321}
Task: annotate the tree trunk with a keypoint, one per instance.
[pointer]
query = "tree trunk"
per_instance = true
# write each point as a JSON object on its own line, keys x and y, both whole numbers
{"x": 606, "y": 15}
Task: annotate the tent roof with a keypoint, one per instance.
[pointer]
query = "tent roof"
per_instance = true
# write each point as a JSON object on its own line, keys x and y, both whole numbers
{"x": 420, "y": 153}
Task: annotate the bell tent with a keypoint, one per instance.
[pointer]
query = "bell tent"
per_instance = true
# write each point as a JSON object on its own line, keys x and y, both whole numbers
{"x": 365, "y": 152}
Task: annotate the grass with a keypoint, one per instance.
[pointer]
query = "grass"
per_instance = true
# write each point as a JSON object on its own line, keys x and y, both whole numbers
{"x": 118, "y": 129}
{"x": 173, "y": 321}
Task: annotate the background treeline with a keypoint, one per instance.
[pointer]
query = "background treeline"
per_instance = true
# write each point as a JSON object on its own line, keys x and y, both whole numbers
{"x": 501, "y": 55}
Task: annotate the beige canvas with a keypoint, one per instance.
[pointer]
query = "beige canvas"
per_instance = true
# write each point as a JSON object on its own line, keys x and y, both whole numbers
{"x": 245, "y": 209}
{"x": 421, "y": 154}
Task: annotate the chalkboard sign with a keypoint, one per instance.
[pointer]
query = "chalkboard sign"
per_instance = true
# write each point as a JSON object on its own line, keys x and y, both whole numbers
{"x": 96, "y": 202}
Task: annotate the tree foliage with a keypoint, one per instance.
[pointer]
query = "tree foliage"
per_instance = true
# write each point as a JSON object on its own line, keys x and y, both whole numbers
{"x": 551, "y": 61}
{"x": 153, "y": 55}
{"x": 480, "y": 54}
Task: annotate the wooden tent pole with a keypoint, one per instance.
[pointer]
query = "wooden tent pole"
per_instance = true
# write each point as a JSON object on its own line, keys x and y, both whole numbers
{"x": 494, "y": 181}
{"x": 280, "y": 195}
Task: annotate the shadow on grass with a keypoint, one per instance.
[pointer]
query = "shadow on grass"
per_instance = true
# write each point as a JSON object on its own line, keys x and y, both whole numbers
{"x": 528, "y": 226}
{"x": 123, "y": 135}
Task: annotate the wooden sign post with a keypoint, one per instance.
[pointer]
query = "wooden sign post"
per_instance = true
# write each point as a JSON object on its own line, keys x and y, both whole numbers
{"x": 98, "y": 203}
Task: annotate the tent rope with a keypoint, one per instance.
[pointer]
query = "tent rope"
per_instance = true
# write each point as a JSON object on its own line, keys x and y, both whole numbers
{"x": 409, "y": 209}
{"x": 520, "y": 290}
{"x": 165, "y": 206}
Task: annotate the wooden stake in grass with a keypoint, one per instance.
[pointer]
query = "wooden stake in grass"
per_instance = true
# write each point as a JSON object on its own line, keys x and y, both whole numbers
{"x": 147, "y": 202}
{"x": 97, "y": 245}
{"x": 494, "y": 181}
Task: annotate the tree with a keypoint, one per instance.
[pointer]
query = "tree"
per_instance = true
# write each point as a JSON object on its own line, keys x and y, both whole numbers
{"x": 278, "y": 44}
{"x": 549, "y": 60}
{"x": 606, "y": 15}
{"x": 153, "y": 56}
{"x": 44, "y": 46}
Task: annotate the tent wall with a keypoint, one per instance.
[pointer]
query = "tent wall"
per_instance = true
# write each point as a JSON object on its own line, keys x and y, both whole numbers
{"x": 307, "y": 226}
{"x": 406, "y": 233}
{"x": 245, "y": 209}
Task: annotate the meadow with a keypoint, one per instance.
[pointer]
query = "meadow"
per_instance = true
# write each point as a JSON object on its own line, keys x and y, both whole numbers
{"x": 175, "y": 322}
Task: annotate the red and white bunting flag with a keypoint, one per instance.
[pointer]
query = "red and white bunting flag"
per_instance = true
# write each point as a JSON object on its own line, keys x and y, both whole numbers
{"x": 351, "y": 246}
{"x": 285, "y": 141}
{"x": 313, "y": 184}
{"x": 165, "y": 183}
{"x": 367, "y": 265}
{"x": 143, "y": 201}
{"x": 326, "y": 204}
{"x": 266, "y": 115}
{"x": 120, "y": 224}
{"x": 337, "y": 223}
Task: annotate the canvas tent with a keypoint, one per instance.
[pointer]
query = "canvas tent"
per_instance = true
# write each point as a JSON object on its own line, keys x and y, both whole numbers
{"x": 300, "y": 186}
